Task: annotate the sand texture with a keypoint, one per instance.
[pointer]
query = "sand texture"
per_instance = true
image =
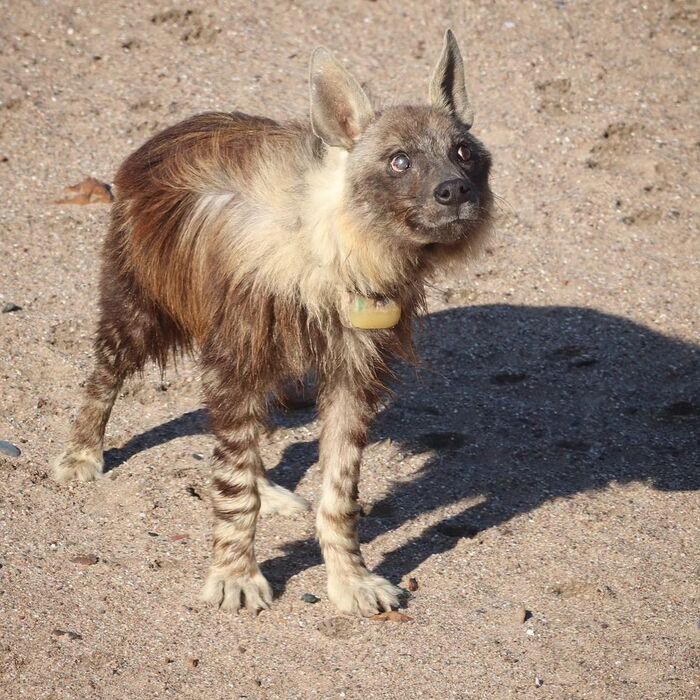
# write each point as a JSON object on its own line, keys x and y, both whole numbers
{"x": 538, "y": 476}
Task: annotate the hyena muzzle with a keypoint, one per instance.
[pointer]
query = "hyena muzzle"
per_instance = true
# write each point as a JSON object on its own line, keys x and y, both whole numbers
{"x": 271, "y": 250}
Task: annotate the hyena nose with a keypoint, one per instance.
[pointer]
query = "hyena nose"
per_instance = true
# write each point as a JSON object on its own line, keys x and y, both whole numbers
{"x": 453, "y": 192}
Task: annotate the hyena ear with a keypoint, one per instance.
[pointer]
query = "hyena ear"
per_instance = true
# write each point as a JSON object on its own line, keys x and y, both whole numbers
{"x": 447, "y": 89}
{"x": 340, "y": 110}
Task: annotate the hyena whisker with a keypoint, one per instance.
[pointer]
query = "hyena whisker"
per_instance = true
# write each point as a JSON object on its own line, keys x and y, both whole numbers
{"x": 502, "y": 205}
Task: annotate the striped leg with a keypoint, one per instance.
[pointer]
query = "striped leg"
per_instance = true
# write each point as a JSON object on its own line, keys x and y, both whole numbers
{"x": 130, "y": 332}
{"x": 346, "y": 413}
{"x": 234, "y": 578}
{"x": 82, "y": 460}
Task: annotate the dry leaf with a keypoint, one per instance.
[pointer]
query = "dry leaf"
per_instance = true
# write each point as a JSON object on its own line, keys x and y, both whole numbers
{"x": 391, "y": 616}
{"x": 89, "y": 191}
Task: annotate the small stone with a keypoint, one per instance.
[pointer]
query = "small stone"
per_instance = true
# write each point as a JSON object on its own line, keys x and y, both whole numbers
{"x": 194, "y": 492}
{"x": 457, "y": 530}
{"x": 682, "y": 409}
{"x": 193, "y": 663}
{"x": 523, "y": 614}
{"x": 442, "y": 440}
{"x": 153, "y": 534}
{"x": 538, "y": 682}
{"x": 198, "y": 456}
{"x": 86, "y": 559}
{"x": 67, "y": 633}
{"x": 7, "y": 448}
{"x": 9, "y": 307}
{"x": 566, "y": 352}
{"x": 583, "y": 361}
{"x": 309, "y": 598}
{"x": 508, "y": 377}
{"x": 412, "y": 584}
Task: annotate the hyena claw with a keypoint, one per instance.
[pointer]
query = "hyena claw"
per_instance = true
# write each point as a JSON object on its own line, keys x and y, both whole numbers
{"x": 233, "y": 592}
{"x": 366, "y": 594}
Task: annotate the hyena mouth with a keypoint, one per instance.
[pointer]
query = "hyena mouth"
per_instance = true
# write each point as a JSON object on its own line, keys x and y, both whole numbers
{"x": 451, "y": 229}
{"x": 462, "y": 222}
{"x": 467, "y": 213}
{"x": 473, "y": 219}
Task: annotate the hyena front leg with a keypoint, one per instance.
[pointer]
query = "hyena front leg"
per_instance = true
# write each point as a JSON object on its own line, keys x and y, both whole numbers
{"x": 82, "y": 459}
{"x": 346, "y": 412}
{"x": 237, "y": 410}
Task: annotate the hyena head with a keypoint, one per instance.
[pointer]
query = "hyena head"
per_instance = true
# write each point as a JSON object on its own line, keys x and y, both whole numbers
{"x": 412, "y": 173}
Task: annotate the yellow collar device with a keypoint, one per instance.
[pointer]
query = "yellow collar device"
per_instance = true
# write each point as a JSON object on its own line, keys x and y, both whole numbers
{"x": 372, "y": 314}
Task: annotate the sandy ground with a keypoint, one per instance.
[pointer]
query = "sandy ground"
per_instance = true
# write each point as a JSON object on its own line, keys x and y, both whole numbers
{"x": 545, "y": 457}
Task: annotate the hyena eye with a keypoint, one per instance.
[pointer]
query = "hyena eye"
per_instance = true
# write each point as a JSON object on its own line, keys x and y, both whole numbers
{"x": 400, "y": 162}
{"x": 463, "y": 153}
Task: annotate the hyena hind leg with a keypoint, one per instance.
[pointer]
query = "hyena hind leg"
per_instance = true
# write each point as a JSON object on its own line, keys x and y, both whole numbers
{"x": 129, "y": 333}
{"x": 276, "y": 500}
{"x": 82, "y": 460}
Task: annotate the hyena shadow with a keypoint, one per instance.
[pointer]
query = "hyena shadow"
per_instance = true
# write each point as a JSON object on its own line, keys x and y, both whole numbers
{"x": 515, "y": 406}
{"x": 191, "y": 423}
{"x": 196, "y": 423}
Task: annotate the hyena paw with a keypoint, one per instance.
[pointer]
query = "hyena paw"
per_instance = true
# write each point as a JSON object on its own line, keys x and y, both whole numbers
{"x": 78, "y": 465}
{"x": 362, "y": 594}
{"x": 232, "y": 592}
{"x": 275, "y": 499}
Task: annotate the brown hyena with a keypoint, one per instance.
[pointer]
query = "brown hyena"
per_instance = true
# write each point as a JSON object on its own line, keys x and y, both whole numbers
{"x": 276, "y": 249}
